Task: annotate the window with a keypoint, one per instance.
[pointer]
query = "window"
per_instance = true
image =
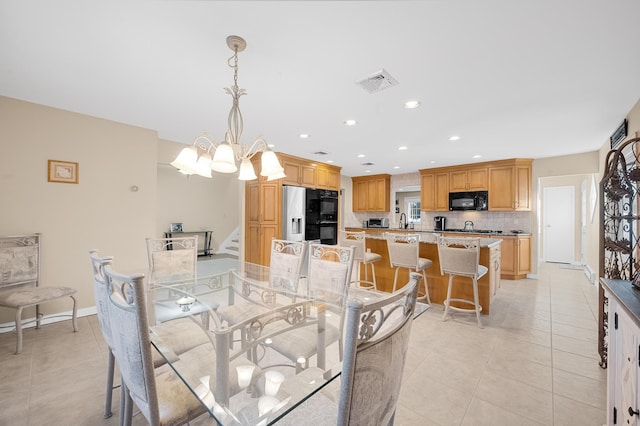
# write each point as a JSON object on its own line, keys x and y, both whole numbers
{"x": 412, "y": 207}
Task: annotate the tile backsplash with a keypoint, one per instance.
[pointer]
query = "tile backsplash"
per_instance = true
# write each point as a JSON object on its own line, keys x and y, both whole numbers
{"x": 497, "y": 221}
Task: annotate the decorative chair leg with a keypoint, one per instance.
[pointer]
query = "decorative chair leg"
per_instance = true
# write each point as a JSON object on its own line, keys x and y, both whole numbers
{"x": 109, "y": 389}
{"x": 74, "y": 315}
{"x": 19, "y": 330}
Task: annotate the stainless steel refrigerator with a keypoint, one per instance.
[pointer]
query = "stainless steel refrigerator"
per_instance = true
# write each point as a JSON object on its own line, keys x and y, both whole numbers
{"x": 293, "y": 213}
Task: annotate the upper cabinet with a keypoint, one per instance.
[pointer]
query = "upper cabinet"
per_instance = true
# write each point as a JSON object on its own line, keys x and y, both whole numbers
{"x": 302, "y": 172}
{"x": 371, "y": 193}
{"x": 510, "y": 186}
{"x": 327, "y": 177}
{"x": 474, "y": 179}
{"x": 507, "y": 181}
{"x": 434, "y": 191}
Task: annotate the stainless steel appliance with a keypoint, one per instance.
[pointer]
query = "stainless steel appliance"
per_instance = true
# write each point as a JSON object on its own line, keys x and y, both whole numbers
{"x": 378, "y": 222}
{"x": 468, "y": 225}
{"x": 477, "y": 200}
{"x": 439, "y": 223}
{"x": 293, "y": 213}
{"x": 309, "y": 214}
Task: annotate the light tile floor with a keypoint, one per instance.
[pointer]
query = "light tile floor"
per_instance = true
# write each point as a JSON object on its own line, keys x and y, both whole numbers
{"x": 534, "y": 363}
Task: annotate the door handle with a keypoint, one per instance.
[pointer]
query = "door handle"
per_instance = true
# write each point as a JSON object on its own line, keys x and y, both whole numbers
{"x": 631, "y": 412}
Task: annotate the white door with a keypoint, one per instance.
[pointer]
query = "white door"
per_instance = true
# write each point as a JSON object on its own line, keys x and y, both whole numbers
{"x": 558, "y": 220}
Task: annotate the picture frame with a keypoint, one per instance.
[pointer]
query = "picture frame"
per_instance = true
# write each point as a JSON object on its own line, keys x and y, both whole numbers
{"x": 63, "y": 171}
{"x": 176, "y": 227}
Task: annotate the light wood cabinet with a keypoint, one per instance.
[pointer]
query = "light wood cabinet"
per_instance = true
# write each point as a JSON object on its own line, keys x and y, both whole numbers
{"x": 299, "y": 174}
{"x": 302, "y": 172}
{"x": 508, "y": 183}
{"x": 510, "y": 186}
{"x": 474, "y": 179}
{"x": 371, "y": 193}
{"x": 434, "y": 192}
{"x": 263, "y": 202}
{"x": 515, "y": 257}
{"x": 327, "y": 177}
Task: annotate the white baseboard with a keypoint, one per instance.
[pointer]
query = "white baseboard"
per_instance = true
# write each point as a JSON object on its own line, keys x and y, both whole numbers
{"x": 8, "y": 327}
{"x": 591, "y": 275}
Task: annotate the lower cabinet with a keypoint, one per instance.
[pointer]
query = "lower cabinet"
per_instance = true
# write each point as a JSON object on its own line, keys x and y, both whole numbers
{"x": 516, "y": 257}
{"x": 623, "y": 368}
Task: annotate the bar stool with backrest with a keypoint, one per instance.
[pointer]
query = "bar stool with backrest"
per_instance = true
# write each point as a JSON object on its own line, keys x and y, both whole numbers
{"x": 356, "y": 239}
{"x": 461, "y": 256}
{"x": 404, "y": 252}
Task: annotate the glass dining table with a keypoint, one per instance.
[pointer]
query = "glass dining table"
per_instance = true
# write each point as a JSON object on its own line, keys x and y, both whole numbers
{"x": 246, "y": 327}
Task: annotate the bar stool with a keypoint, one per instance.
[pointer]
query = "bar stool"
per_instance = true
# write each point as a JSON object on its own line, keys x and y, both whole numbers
{"x": 404, "y": 252}
{"x": 461, "y": 256}
{"x": 356, "y": 239}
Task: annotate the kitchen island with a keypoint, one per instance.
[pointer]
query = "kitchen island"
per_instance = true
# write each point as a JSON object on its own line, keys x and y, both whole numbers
{"x": 462, "y": 288}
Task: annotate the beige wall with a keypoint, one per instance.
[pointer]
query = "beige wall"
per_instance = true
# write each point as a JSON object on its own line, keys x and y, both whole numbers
{"x": 198, "y": 203}
{"x": 101, "y": 211}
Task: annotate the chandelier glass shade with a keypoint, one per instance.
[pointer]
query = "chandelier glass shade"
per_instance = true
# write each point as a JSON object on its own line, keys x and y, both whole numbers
{"x": 205, "y": 154}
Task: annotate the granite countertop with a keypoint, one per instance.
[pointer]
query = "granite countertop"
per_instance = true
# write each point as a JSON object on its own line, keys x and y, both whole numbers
{"x": 448, "y": 231}
{"x": 428, "y": 238}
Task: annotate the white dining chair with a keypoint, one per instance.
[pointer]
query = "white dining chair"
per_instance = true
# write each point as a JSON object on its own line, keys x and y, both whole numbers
{"x": 376, "y": 341}
{"x": 254, "y": 296}
{"x": 163, "y": 399}
{"x": 327, "y": 283}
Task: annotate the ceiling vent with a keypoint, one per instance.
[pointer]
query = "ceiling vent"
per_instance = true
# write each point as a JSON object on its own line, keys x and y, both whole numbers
{"x": 321, "y": 153}
{"x": 367, "y": 164}
{"x": 378, "y": 81}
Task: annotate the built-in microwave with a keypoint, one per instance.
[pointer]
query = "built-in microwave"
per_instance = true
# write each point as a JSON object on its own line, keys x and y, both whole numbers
{"x": 477, "y": 200}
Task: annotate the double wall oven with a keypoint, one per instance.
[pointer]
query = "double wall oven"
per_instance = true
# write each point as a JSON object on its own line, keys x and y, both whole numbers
{"x": 322, "y": 216}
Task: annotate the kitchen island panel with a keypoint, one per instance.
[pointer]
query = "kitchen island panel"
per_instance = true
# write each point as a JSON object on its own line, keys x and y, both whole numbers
{"x": 438, "y": 283}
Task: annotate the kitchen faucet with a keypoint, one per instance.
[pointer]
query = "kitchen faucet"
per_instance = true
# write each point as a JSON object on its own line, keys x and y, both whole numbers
{"x": 403, "y": 224}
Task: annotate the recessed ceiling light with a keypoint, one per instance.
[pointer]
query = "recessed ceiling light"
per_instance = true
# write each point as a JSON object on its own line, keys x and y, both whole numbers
{"x": 432, "y": 162}
{"x": 454, "y": 138}
{"x": 350, "y": 122}
{"x": 271, "y": 145}
{"x": 403, "y": 148}
{"x": 412, "y": 104}
{"x": 360, "y": 155}
{"x": 367, "y": 171}
{"x": 396, "y": 167}
{"x": 304, "y": 136}
{"x": 477, "y": 156}
{"x": 329, "y": 161}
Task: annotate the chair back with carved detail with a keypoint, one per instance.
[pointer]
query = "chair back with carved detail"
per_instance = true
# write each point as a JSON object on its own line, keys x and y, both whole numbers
{"x": 172, "y": 259}
{"x": 329, "y": 273}
{"x": 376, "y": 340}
{"x": 286, "y": 263}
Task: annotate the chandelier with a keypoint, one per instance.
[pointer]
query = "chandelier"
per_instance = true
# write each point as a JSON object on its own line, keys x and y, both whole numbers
{"x": 205, "y": 154}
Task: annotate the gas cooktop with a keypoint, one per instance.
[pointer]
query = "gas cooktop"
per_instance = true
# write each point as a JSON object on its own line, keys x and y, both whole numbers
{"x": 475, "y": 231}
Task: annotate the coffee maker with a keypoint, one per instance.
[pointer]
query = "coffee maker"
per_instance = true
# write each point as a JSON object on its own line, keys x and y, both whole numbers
{"x": 439, "y": 223}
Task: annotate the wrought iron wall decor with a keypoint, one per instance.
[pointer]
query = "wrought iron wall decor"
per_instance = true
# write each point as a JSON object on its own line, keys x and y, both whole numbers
{"x": 620, "y": 233}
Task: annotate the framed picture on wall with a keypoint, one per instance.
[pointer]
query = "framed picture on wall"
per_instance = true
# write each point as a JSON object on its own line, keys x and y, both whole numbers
{"x": 176, "y": 227}
{"x": 63, "y": 171}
